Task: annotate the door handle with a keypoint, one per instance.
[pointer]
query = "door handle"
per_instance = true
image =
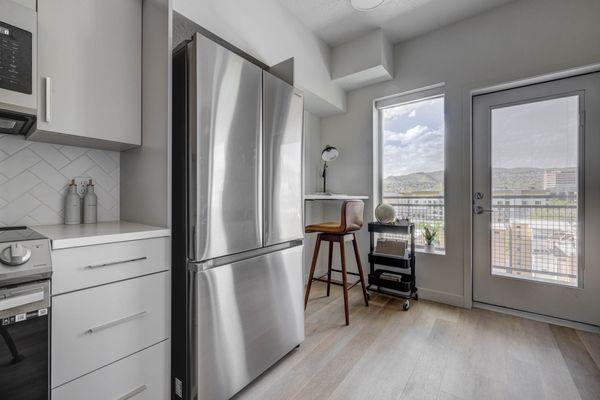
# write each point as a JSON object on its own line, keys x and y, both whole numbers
{"x": 132, "y": 393}
{"x": 27, "y": 297}
{"x": 478, "y": 210}
{"x": 48, "y": 114}
{"x": 116, "y": 322}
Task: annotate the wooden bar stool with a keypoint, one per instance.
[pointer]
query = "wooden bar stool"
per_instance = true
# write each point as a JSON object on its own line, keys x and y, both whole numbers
{"x": 340, "y": 232}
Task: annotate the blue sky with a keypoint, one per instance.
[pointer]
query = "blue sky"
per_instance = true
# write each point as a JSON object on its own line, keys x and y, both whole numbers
{"x": 413, "y": 137}
{"x": 543, "y": 134}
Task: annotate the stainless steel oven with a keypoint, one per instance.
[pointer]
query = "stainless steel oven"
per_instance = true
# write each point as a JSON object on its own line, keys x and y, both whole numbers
{"x": 25, "y": 341}
{"x": 25, "y": 271}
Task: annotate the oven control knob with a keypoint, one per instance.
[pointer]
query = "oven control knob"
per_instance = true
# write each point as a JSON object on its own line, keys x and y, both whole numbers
{"x": 15, "y": 254}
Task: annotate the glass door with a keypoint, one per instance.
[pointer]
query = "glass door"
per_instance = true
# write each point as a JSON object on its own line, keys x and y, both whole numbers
{"x": 535, "y": 181}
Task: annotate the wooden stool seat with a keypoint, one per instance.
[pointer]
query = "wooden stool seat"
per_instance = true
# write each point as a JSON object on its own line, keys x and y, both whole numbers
{"x": 339, "y": 232}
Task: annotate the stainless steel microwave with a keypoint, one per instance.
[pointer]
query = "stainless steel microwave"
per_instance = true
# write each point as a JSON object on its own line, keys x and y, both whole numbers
{"x": 18, "y": 68}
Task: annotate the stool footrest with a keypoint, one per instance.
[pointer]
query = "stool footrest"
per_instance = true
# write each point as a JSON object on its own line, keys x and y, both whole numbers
{"x": 336, "y": 282}
{"x": 348, "y": 272}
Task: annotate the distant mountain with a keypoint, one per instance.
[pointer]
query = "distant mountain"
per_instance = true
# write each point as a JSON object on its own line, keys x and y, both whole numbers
{"x": 518, "y": 178}
{"x": 523, "y": 178}
{"x": 503, "y": 178}
{"x": 415, "y": 182}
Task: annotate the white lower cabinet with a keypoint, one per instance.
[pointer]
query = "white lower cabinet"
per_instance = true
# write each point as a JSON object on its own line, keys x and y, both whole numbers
{"x": 141, "y": 376}
{"x": 94, "y": 327}
{"x": 82, "y": 267}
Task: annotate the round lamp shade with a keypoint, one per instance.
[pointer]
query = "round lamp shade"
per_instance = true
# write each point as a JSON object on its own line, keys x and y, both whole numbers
{"x": 329, "y": 153}
{"x": 365, "y": 5}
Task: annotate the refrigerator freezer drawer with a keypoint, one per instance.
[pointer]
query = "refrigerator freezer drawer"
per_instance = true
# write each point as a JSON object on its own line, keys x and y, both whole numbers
{"x": 249, "y": 314}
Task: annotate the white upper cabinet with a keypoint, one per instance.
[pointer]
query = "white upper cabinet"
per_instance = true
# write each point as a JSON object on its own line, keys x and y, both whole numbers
{"x": 90, "y": 73}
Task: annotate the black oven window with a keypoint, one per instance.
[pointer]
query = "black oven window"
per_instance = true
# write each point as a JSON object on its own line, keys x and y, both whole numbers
{"x": 15, "y": 59}
{"x": 24, "y": 359}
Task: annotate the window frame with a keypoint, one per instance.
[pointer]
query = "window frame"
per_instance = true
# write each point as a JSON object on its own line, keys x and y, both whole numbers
{"x": 412, "y": 96}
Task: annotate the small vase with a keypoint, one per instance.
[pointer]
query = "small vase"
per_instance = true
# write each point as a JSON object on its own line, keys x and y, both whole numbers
{"x": 429, "y": 248}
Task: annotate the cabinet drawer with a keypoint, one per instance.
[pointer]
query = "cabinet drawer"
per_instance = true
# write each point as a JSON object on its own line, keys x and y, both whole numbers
{"x": 94, "y": 327}
{"x": 82, "y": 267}
{"x": 142, "y": 376}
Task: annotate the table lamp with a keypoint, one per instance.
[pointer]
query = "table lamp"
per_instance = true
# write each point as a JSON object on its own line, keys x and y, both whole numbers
{"x": 328, "y": 154}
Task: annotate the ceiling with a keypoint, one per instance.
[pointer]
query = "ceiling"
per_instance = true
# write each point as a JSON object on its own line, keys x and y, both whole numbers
{"x": 336, "y": 22}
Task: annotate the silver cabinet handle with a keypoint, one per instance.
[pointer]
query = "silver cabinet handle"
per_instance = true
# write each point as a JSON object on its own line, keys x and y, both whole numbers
{"x": 116, "y": 322}
{"x": 108, "y": 264}
{"x": 132, "y": 393}
{"x": 48, "y": 115}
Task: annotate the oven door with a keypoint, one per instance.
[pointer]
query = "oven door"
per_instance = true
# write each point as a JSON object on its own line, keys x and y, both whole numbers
{"x": 24, "y": 341}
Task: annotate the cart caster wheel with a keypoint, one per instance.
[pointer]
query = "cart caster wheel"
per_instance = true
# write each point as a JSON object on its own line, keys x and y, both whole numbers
{"x": 406, "y": 305}
{"x": 368, "y": 296}
{"x": 416, "y": 296}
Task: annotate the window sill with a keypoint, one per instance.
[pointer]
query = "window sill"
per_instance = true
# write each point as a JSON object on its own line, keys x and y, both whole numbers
{"x": 435, "y": 251}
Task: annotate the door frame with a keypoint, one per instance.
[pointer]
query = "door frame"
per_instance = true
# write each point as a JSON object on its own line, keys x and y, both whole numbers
{"x": 469, "y": 92}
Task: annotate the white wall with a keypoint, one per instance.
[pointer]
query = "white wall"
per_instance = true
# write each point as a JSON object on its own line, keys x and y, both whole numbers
{"x": 519, "y": 40}
{"x": 146, "y": 171}
{"x": 34, "y": 178}
{"x": 268, "y": 31}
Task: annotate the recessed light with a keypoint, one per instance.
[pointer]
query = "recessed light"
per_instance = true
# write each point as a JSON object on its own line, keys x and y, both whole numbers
{"x": 366, "y": 5}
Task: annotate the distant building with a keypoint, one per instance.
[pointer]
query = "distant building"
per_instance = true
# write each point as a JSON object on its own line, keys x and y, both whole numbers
{"x": 560, "y": 181}
{"x": 512, "y": 247}
{"x": 521, "y": 237}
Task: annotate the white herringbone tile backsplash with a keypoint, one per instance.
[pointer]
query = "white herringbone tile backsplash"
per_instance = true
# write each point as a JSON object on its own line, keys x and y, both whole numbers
{"x": 34, "y": 178}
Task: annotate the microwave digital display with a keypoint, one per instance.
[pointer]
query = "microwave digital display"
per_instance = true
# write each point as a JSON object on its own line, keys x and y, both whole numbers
{"x": 15, "y": 59}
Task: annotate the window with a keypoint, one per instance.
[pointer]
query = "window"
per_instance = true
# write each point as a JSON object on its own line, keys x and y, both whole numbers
{"x": 535, "y": 152}
{"x": 412, "y": 160}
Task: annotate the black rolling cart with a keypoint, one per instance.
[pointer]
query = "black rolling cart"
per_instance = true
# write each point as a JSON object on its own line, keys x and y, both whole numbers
{"x": 398, "y": 278}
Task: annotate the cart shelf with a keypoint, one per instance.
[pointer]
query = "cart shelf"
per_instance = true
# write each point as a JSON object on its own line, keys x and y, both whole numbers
{"x": 400, "y": 271}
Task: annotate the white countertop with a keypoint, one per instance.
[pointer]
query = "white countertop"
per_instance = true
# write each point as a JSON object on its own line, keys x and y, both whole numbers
{"x": 66, "y": 236}
{"x": 333, "y": 196}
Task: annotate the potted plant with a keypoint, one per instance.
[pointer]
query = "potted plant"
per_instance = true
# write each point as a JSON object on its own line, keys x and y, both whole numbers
{"x": 430, "y": 235}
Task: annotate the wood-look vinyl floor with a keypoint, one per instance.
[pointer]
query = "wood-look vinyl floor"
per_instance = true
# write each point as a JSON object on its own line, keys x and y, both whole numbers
{"x": 433, "y": 351}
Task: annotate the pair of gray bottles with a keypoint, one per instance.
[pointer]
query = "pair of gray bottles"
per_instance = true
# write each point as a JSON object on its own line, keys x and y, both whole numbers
{"x": 73, "y": 205}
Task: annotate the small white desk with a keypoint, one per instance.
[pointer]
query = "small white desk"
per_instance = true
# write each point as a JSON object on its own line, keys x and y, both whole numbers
{"x": 333, "y": 196}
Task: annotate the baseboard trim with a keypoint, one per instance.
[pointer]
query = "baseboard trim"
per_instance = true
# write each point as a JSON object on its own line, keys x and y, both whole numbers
{"x": 538, "y": 317}
{"x": 442, "y": 297}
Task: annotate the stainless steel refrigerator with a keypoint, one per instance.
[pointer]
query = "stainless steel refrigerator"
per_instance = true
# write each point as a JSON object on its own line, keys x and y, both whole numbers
{"x": 237, "y": 304}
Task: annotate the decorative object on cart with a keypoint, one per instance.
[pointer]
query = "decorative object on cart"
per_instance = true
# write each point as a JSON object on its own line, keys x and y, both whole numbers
{"x": 430, "y": 235}
{"x": 398, "y": 279}
{"x": 328, "y": 154}
{"x": 391, "y": 247}
{"x": 385, "y": 213}
{"x": 72, "y": 205}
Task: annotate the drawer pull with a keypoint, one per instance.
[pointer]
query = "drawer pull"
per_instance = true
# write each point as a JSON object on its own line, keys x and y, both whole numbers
{"x": 132, "y": 393}
{"x": 116, "y": 322}
{"x": 108, "y": 264}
